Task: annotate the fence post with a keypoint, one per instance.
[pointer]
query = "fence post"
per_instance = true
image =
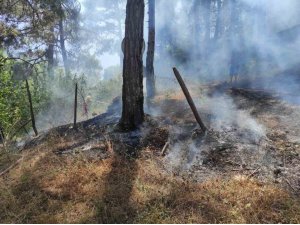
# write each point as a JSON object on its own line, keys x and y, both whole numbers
{"x": 75, "y": 107}
{"x": 189, "y": 99}
{"x": 31, "y": 109}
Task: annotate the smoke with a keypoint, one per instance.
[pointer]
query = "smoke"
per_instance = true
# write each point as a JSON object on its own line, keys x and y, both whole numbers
{"x": 266, "y": 44}
{"x": 229, "y": 128}
{"x": 226, "y": 115}
{"x": 261, "y": 51}
{"x": 181, "y": 37}
{"x": 257, "y": 22}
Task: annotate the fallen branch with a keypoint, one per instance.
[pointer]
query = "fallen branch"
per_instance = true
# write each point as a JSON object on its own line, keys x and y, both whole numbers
{"x": 189, "y": 99}
{"x": 11, "y": 167}
{"x": 163, "y": 152}
{"x": 240, "y": 170}
{"x": 291, "y": 186}
{"x": 252, "y": 174}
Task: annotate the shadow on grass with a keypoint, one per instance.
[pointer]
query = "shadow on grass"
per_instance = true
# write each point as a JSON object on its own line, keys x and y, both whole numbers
{"x": 26, "y": 202}
{"x": 115, "y": 205}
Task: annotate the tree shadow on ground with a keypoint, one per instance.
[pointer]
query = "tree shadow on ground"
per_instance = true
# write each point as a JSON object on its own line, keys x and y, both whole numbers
{"x": 116, "y": 205}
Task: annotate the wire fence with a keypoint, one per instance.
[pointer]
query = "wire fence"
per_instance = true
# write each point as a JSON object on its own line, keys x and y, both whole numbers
{"x": 61, "y": 108}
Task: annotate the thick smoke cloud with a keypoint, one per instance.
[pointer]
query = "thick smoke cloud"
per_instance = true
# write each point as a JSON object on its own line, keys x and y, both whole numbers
{"x": 264, "y": 51}
{"x": 258, "y": 24}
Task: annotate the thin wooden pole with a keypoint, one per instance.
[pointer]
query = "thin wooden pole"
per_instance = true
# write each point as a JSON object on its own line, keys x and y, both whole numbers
{"x": 2, "y": 138}
{"x": 31, "y": 109}
{"x": 75, "y": 106}
{"x": 189, "y": 99}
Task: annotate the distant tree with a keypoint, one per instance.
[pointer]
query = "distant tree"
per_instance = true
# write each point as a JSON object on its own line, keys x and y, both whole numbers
{"x": 68, "y": 13}
{"x": 206, "y": 18}
{"x": 218, "y": 28}
{"x": 132, "y": 94}
{"x": 103, "y": 26}
{"x": 196, "y": 26}
{"x": 50, "y": 52}
{"x": 150, "y": 52}
{"x": 236, "y": 41}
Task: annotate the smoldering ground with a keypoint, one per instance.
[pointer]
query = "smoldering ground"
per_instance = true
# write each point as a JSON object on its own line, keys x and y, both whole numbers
{"x": 263, "y": 54}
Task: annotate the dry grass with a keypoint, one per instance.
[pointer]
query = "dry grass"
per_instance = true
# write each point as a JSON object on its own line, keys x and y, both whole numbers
{"x": 46, "y": 188}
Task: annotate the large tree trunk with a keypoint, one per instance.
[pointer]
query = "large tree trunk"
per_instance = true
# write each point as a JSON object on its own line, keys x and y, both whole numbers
{"x": 150, "y": 53}
{"x": 132, "y": 94}
{"x": 63, "y": 47}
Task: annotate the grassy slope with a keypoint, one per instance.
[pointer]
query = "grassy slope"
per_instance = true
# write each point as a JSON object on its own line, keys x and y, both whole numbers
{"x": 46, "y": 188}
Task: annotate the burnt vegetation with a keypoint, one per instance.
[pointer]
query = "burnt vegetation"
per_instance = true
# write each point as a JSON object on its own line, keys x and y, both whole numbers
{"x": 159, "y": 111}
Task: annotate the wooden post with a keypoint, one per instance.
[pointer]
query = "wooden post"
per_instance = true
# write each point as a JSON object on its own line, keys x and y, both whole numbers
{"x": 2, "y": 138}
{"x": 75, "y": 106}
{"x": 1, "y": 132}
{"x": 189, "y": 99}
{"x": 163, "y": 152}
{"x": 31, "y": 109}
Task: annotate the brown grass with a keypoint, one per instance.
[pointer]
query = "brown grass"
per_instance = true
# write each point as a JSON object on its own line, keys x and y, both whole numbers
{"x": 46, "y": 188}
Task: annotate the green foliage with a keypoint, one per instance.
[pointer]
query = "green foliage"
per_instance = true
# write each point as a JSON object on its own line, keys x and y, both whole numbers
{"x": 108, "y": 90}
{"x": 13, "y": 104}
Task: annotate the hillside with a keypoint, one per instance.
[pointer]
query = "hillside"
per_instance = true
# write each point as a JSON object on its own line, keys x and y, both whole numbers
{"x": 244, "y": 170}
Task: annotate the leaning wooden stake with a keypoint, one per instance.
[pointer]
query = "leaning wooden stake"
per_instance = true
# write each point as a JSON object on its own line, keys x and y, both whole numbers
{"x": 31, "y": 109}
{"x": 165, "y": 148}
{"x": 189, "y": 99}
{"x": 75, "y": 106}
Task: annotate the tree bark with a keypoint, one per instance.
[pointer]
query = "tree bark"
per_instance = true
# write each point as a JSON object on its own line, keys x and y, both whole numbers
{"x": 132, "y": 92}
{"x": 150, "y": 79}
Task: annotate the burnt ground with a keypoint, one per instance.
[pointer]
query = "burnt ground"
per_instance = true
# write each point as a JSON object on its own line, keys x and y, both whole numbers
{"x": 262, "y": 141}
{"x": 252, "y": 133}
